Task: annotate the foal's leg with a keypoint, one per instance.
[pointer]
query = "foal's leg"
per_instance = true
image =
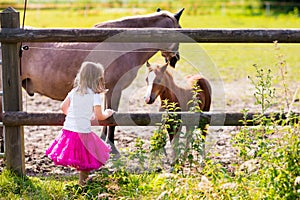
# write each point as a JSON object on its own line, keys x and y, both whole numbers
{"x": 175, "y": 151}
{"x": 1, "y": 140}
{"x": 174, "y": 141}
{"x": 189, "y": 135}
{"x": 204, "y": 129}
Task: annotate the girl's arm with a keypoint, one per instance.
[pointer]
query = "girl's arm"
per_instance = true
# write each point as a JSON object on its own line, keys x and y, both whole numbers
{"x": 101, "y": 115}
{"x": 65, "y": 105}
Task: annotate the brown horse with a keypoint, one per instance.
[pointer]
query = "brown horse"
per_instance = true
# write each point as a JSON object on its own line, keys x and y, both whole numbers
{"x": 160, "y": 83}
{"x": 50, "y": 68}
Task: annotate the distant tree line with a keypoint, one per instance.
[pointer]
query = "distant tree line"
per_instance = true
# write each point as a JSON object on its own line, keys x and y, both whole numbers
{"x": 258, "y": 6}
{"x": 279, "y": 6}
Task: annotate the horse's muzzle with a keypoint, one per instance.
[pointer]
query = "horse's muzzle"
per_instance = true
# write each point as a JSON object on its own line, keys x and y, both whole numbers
{"x": 149, "y": 100}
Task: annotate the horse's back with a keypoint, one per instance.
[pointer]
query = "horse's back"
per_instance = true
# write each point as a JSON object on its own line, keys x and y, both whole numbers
{"x": 205, "y": 86}
{"x": 159, "y": 19}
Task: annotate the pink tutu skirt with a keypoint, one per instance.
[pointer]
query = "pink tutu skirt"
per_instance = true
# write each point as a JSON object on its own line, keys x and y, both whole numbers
{"x": 83, "y": 151}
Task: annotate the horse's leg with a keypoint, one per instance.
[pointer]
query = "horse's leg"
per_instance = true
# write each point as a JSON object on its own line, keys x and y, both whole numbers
{"x": 112, "y": 103}
{"x": 104, "y": 133}
{"x": 104, "y": 128}
{"x": 111, "y": 137}
{"x": 1, "y": 129}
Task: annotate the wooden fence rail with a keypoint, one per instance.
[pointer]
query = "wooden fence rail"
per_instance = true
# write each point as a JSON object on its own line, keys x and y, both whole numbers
{"x": 162, "y": 35}
{"x": 144, "y": 119}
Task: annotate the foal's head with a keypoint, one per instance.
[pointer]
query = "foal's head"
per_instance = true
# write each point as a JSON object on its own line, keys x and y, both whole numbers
{"x": 156, "y": 79}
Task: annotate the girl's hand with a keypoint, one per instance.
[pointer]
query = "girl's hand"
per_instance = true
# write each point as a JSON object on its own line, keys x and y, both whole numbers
{"x": 109, "y": 112}
{"x": 102, "y": 114}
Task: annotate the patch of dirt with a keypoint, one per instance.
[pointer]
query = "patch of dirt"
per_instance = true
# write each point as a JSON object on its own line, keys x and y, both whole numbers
{"x": 37, "y": 138}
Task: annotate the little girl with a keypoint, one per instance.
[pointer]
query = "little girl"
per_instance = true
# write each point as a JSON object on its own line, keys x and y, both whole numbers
{"x": 77, "y": 146}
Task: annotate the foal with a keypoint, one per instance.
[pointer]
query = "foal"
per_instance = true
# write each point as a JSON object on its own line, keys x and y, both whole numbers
{"x": 160, "y": 83}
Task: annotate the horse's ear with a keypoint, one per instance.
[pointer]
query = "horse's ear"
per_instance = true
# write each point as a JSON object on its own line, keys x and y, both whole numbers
{"x": 178, "y": 14}
{"x": 148, "y": 64}
{"x": 164, "y": 67}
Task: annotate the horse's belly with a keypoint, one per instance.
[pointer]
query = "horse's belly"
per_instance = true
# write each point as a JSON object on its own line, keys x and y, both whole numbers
{"x": 51, "y": 71}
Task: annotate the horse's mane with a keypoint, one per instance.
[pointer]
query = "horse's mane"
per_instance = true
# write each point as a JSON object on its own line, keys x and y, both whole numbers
{"x": 137, "y": 21}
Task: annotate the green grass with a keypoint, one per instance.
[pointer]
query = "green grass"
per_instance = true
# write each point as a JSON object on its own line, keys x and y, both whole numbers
{"x": 120, "y": 185}
{"x": 236, "y": 61}
{"x": 240, "y": 21}
{"x": 16, "y": 187}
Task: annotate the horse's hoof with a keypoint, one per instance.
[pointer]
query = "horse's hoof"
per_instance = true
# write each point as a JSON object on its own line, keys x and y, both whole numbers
{"x": 103, "y": 137}
{"x": 115, "y": 154}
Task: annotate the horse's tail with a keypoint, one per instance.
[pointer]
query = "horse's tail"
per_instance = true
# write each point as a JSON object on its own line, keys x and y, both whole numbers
{"x": 206, "y": 93}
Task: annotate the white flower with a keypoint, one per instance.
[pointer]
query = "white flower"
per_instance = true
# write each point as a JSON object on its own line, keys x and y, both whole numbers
{"x": 297, "y": 180}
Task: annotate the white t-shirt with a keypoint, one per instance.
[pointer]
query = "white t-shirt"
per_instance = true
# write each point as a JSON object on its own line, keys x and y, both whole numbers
{"x": 80, "y": 112}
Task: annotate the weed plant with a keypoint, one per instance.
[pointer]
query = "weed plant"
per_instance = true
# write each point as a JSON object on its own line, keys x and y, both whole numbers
{"x": 273, "y": 145}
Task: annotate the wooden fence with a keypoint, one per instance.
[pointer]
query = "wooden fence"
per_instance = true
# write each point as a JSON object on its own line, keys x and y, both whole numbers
{"x": 11, "y": 35}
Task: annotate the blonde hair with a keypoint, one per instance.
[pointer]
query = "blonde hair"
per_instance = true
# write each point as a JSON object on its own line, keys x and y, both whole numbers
{"x": 90, "y": 75}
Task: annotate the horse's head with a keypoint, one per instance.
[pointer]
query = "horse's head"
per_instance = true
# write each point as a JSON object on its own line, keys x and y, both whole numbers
{"x": 155, "y": 82}
{"x": 171, "y": 55}
{"x": 159, "y": 19}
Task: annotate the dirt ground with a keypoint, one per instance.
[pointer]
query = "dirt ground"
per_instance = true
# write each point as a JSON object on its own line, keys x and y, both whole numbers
{"x": 37, "y": 138}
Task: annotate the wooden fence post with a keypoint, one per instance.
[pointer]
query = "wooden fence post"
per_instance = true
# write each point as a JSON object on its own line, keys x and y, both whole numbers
{"x": 12, "y": 96}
